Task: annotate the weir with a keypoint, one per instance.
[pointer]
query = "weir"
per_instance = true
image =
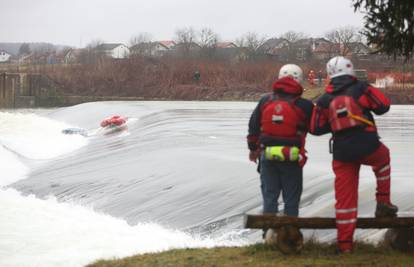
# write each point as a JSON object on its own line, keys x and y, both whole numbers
{"x": 273, "y": 221}
{"x": 400, "y": 235}
{"x": 19, "y": 90}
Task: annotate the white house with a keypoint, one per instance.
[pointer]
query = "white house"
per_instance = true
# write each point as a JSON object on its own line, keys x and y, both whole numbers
{"x": 114, "y": 50}
{"x": 4, "y": 56}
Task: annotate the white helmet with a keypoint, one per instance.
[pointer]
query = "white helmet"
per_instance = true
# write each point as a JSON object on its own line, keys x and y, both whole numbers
{"x": 338, "y": 66}
{"x": 291, "y": 70}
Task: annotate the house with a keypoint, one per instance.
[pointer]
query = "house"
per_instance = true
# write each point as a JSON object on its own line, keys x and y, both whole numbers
{"x": 187, "y": 46}
{"x": 274, "y": 45}
{"x": 277, "y": 48}
{"x": 4, "y": 56}
{"x": 323, "y": 49}
{"x": 25, "y": 58}
{"x": 318, "y": 48}
{"x": 33, "y": 58}
{"x": 225, "y": 45}
{"x": 115, "y": 50}
{"x": 169, "y": 44}
{"x": 55, "y": 57}
{"x": 301, "y": 49}
{"x": 357, "y": 49}
{"x": 221, "y": 50}
{"x": 158, "y": 48}
{"x": 185, "y": 49}
{"x": 71, "y": 56}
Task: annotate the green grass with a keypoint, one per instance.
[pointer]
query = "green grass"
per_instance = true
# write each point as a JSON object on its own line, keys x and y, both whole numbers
{"x": 313, "y": 255}
{"x": 312, "y": 93}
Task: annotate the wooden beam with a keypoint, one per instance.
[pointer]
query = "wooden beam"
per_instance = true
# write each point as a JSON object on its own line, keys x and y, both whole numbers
{"x": 273, "y": 221}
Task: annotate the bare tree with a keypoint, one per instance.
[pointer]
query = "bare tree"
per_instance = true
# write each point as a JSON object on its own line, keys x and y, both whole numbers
{"x": 94, "y": 43}
{"x": 141, "y": 44}
{"x": 344, "y": 37}
{"x": 293, "y": 36}
{"x": 24, "y": 49}
{"x": 251, "y": 41}
{"x": 91, "y": 53}
{"x": 208, "y": 40}
{"x": 186, "y": 39}
{"x": 143, "y": 37}
{"x": 240, "y": 42}
{"x": 298, "y": 47}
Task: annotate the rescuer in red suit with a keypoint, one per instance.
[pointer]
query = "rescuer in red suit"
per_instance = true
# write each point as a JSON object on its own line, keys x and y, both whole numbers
{"x": 311, "y": 78}
{"x": 345, "y": 111}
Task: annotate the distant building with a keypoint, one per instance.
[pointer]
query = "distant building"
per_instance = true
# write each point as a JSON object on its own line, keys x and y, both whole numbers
{"x": 158, "y": 48}
{"x": 187, "y": 46}
{"x": 358, "y": 49}
{"x": 169, "y": 44}
{"x": 226, "y": 45}
{"x": 273, "y": 45}
{"x": 114, "y": 50}
{"x": 25, "y": 58}
{"x": 72, "y": 56}
{"x": 185, "y": 49}
{"x": 228, "y": 51}
{"x": 304, "y": 48}
{"x": 277, "y": 48}
{"x": 323, "y": 49}
{"x": 4, "y": 56}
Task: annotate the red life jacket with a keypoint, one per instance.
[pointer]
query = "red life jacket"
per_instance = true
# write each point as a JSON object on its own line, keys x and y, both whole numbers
{"x": 280, "y": 119}
{"x": 345, "y": 113}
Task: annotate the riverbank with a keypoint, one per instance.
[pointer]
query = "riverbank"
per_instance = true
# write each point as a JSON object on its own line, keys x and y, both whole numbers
{"x": 167, "y": 79}
{"x": 176, "y": 79}
{"x": 314, "y": 254}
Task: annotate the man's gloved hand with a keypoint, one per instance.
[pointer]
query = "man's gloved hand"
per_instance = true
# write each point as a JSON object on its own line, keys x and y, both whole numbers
{"x": 254, "y": 155}
{"x": 302, "y": 159}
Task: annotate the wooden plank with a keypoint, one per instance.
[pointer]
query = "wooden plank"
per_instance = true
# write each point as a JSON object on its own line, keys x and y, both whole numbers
{"x": 273, "y": 221}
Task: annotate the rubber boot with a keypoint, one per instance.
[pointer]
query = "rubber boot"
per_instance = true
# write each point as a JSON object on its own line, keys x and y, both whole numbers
{"x": 386, "y": 210}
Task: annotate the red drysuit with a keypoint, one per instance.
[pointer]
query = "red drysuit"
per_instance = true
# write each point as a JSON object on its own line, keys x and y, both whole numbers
{"x": 352, "y": 148}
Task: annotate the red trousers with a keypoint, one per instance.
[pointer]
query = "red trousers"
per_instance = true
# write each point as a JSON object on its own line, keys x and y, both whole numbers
{"x": 346, "y": 191}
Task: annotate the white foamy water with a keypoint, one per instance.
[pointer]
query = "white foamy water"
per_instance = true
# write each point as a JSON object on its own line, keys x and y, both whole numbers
{"x": 12, "y": 169}
{"x": 45, "y": 232}
{"x": 36, "y": 137}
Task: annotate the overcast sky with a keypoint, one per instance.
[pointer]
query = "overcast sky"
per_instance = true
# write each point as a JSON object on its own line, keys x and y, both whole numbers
{"x": 78, "y": 22}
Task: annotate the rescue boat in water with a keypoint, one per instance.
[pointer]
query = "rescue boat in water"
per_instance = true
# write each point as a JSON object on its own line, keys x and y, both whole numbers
{"x": 114, "y": 123}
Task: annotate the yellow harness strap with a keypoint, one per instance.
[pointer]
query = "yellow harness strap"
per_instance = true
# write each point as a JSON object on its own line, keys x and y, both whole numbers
{"x": 361, "y": 119}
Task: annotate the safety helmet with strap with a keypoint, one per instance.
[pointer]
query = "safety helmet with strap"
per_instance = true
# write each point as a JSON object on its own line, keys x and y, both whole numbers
{"x": 291, "y": 70}
{"x": 339, "y": 66}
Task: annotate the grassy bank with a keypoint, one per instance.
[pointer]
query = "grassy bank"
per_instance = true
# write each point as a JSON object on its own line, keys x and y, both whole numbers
{"x": 313, "y": 255}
